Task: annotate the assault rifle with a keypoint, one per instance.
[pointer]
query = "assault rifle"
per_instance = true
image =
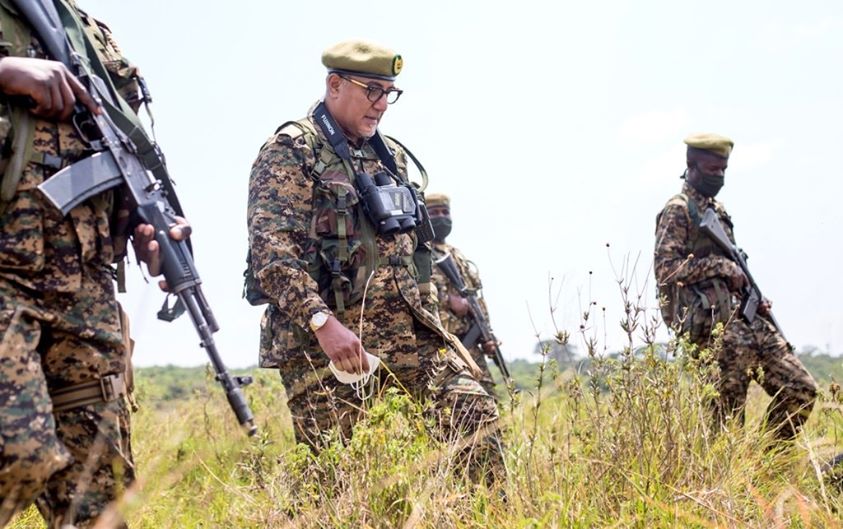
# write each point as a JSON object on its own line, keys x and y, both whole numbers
{"x": 751, "y": 296}
{"x": 130, "y": 160}
{"x": 480, "y": 329}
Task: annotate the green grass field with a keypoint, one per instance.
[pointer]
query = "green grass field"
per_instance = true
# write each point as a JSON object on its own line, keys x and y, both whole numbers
{"x": 625, "y": 444}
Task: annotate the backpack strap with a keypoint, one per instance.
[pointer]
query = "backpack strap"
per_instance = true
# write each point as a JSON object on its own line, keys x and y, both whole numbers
{"x": 303, "y": 128}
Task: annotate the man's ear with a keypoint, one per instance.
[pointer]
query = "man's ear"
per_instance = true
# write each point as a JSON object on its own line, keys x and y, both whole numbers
{"x": 332, "y": 84}
{"x": 690, "y": 167}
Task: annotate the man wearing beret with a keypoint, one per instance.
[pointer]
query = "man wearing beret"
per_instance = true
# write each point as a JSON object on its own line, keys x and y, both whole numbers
{"x": 343, "y": 274}
{"x": 453, "y": 308}
{"x": 700, "y": 287}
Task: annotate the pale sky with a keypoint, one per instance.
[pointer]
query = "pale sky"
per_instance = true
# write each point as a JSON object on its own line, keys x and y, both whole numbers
{"x": 555, "y": 127}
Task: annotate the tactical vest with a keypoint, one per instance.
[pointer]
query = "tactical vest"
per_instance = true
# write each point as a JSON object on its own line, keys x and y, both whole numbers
{"x": 342, "y": 252}
{"x": 695, "y": 308}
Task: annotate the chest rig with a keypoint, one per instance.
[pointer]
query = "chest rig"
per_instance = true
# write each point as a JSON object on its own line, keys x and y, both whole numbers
{"x": 697, "y": 306}
{"x": 351, "y": 209}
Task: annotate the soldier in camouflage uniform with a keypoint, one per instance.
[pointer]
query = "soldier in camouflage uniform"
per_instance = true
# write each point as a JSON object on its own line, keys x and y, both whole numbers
{"x": 453, "y": 308}
{"x": 64, "y": 347}
{"x": 699, "y": 287}
{"x": 336, "y": 285}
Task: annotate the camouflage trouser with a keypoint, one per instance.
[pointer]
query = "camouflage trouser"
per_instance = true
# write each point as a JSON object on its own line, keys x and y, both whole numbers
{"x": 462, "y": 409}
{"x": 759, "y": 352}
{"x": 73, "y": 463}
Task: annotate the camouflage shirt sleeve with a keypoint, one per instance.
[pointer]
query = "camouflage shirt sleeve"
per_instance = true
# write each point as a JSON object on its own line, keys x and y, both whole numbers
{"x": 671, "y": 261}
{"x": 279, "y": 215}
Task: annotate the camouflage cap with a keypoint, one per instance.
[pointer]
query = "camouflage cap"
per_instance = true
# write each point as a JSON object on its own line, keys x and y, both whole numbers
{"x": 360, "y": 57}
{"x": 714, "y": 143}
{"x": 437, "y": 199}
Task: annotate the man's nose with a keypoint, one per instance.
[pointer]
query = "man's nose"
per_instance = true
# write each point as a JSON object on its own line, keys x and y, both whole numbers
{"x": 380, "y": 104}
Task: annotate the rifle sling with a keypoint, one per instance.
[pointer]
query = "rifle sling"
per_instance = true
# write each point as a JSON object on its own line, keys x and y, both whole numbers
{"x": 118, "y": 109}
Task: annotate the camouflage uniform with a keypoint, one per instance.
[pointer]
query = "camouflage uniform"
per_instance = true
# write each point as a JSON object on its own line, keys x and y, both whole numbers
{"x": 691, "y": 272}
{"x": 298, "y": 225}
{"x": 460, "y": 325}
{"x": 60, "y": 327}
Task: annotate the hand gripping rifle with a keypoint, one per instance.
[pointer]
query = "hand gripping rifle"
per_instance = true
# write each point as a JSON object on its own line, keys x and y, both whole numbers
{"x": 751, "y": 296}
{"x": 130, "y": 160}
{"x": 481, "y": 328}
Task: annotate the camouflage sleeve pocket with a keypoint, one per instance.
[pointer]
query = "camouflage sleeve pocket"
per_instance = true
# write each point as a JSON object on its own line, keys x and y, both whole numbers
{"x": 22, "y": 236}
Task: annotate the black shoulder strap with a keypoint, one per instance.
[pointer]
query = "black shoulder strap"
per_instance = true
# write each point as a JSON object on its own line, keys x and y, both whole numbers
{"x": 415, "y": 161}
{"x": 332, "y": 131}
{"x": 384, "y": 153}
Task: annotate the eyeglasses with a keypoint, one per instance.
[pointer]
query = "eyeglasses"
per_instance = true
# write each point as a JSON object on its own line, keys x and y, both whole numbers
{"x": 374, "y": 92}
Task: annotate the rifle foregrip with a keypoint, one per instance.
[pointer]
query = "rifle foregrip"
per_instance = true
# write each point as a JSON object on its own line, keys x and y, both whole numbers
{"x": 176, "y": 262}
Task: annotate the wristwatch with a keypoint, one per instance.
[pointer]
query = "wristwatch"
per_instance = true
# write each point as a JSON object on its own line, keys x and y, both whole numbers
{"x": 318, "y": 320}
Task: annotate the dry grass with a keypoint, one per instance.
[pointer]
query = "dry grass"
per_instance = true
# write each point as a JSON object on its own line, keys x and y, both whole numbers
{"x": 627, "y": 444}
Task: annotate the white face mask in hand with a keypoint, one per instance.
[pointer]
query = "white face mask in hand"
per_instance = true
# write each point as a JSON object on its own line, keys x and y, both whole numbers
{"x": 357, "y": 380}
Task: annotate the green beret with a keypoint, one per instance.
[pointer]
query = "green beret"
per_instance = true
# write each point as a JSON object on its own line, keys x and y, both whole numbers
{"x": 437, "y": 199}
{"x": 359, "y": 57}
{"x": 707, "y": 141}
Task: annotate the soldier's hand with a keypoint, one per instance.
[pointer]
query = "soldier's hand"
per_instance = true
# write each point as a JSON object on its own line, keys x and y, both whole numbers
{"x": 146, "y": 247}
{"x": 765, "y": 307}
{"x": 736, "y": 278}
{"x": 342, "y": 346}
{"x": 49, "y": 84}
{"x": 489, "y": 347}
{"x": 458, "y": 305}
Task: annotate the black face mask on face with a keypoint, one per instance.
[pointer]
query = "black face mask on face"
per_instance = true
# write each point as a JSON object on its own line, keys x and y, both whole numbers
{"x": 441, "y": 227}
{"x": 708, "y": 184}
